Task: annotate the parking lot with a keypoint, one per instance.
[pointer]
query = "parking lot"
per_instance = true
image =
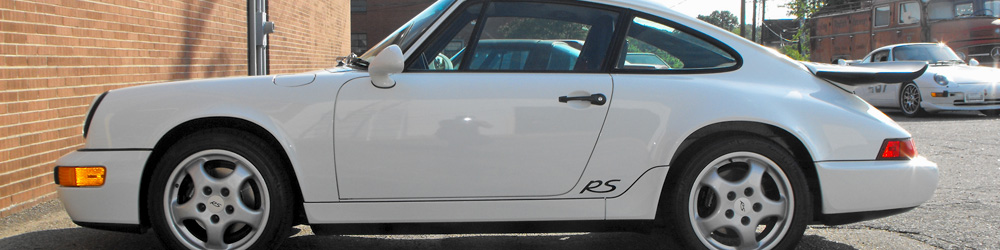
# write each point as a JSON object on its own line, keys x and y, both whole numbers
{"x": 961, "y": 215}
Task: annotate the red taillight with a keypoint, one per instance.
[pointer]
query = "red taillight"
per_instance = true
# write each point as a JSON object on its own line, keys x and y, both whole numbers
{"x": 898, "y": 149}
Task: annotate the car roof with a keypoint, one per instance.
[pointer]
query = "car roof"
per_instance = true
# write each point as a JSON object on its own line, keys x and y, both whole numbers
{"x": 901, "y": 45}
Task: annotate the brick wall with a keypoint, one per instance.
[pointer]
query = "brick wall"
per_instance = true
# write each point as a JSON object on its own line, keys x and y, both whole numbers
{"x": 382, "y": 17}
{"x": 300, "y": 42}
{"x": 57, "y": 55}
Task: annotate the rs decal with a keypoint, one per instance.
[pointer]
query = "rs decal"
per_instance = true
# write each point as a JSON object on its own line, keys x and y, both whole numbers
{"x": 600, "y": 187}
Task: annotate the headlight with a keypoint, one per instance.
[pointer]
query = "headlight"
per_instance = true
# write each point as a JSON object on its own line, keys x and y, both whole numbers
{"x": 90, "y": 114}
{"x": 941, "y": 80}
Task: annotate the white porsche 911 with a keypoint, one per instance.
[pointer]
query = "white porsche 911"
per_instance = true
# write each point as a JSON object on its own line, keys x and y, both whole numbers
{"x": 948, "y": 85}
{"x": 478, "y": 117}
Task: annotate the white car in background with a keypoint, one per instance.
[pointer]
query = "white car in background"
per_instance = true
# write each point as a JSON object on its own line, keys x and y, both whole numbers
{"x": 735, "y": 147}
{"x": 948, "y": 85}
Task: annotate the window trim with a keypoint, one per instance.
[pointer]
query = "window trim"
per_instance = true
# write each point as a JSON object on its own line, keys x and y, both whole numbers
{"x": 875, "y": 16}
{"x": 620, "y": 42}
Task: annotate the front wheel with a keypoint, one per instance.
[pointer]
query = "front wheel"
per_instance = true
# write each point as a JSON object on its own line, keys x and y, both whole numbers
{"x": 740, "y": 193}
{"x": 220, "y": 189}
{"x": 909, "y": 100}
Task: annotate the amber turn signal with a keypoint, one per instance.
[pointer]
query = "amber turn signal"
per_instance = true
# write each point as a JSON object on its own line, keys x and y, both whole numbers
{"x": 81, "y": 176}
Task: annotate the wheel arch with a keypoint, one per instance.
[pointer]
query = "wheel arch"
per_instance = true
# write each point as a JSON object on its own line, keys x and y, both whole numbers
{"x": 719, "y": 131}
{"x": 178, "y": 132}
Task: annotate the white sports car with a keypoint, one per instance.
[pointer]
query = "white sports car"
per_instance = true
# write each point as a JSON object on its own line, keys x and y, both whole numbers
{"x": 948, "y": 85}
{"x": 733, "y": 146}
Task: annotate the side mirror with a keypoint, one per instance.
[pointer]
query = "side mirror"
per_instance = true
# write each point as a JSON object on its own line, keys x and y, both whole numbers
{"x": 387, "y": 63}
{"x": 841, "y": 62}
{"x": 973, "y": 62}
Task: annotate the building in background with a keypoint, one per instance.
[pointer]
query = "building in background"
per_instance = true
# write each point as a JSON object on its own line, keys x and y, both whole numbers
{"x": 56, "y": 56}
{"x": 374, "y": 20}
{"x": 855, "y": 28}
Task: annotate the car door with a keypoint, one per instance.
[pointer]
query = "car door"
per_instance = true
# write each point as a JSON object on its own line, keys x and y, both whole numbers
{"x": 493, "y": 105}
{"x": 877, "y": 94}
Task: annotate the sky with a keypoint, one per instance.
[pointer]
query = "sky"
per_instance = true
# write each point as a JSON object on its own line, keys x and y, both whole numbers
{"x": 704, "y": 7}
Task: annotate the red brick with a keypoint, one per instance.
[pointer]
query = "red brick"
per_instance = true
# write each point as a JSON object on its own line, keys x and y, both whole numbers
{"x": 53, "y": 68}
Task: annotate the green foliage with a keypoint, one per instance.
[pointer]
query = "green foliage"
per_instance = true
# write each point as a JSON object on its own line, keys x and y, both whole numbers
{"x": 793, "y": 52}
{"x": 545, "y": 29}
{"x": 636, "y": 46}
{"x": 722, "y": 19}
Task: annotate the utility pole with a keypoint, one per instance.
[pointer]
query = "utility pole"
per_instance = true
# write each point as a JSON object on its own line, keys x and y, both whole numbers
{"x": 743, "y": 18}
{"x": 754, "y": 30}
{"x": 763, "y": 18}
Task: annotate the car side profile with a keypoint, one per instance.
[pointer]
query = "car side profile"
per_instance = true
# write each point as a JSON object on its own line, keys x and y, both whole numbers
{"x": 488, "y": 116}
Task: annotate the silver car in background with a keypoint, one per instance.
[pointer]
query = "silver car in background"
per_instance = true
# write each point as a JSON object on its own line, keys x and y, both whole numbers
{"x": 949, "y": 84}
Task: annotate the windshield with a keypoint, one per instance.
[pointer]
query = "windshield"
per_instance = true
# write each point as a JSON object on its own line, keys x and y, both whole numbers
{"x": 406, "y": 35}
{"x": 930, "y": 53}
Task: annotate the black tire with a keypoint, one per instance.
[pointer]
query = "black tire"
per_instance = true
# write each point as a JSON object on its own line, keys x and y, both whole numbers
{"x": 229, "y": 190}
{"x": 717, "y": 215}
{"x": 909, "y": 100}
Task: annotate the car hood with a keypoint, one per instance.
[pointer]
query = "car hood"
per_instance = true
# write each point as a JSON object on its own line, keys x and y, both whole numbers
{"x": 964, "y": 74}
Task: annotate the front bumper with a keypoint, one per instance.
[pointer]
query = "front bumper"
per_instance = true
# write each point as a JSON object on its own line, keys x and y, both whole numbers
{"x": 117, "y": 202}
{"x": 864, "y": 186}
{"x": 967, "y": 97}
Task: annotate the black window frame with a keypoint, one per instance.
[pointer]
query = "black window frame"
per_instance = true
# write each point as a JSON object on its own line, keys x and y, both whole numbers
{"x": 624, "y": 22}
{"x": 481, "y": 21}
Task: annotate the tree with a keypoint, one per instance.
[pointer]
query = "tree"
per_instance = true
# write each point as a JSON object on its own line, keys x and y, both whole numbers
{"x": 723, "y": 19}
{"x": 804, "y": 10}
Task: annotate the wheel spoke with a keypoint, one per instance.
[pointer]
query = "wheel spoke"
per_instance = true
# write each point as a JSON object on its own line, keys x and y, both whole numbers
{"x": 714, "y": 222}
{"x": 216, "y": 236}
{"x": 748, "y": 236}
{"x": 239, "y": 176}
{"x": 248, "y": 216}
{"x": 717, "y": 183}
{"x": 774, "y": 208}
{"x": 196, "y": 170}
{"x": 755, "y": 175}
{"x": 185, "y": 211}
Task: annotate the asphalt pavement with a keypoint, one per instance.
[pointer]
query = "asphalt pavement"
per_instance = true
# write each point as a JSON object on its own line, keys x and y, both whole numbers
{"x": 961, "y": 215}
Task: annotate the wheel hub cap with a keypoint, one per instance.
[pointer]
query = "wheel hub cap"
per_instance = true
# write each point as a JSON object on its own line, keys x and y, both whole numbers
{"x": 742, "y": 206}
{"x": 216, "y": 204}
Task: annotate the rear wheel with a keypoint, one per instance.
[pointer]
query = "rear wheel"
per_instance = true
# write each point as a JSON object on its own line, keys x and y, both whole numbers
{"x": 740, "y": 193}
{"x": 220, "y": 189}
{"x": 909, "y": 100}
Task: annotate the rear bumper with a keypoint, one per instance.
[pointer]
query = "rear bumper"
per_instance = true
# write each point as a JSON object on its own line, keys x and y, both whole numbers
{"x": 117, "y": 202}
{"x": 864, "y": 186}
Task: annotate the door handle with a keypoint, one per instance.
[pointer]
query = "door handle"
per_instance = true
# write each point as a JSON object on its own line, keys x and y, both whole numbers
{"x": 595, "y": 99}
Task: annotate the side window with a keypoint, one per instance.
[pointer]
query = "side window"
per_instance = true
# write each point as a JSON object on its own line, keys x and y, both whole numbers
{"x": 530, "y": 36}
{"x": 964, "y": 9}
{"x": 909, "y": 13}
{"x": 444, "y": 54}
{"x": 882, "y": 16}
{"x": 650, "y": 45}
{"x": 881, "y": 56}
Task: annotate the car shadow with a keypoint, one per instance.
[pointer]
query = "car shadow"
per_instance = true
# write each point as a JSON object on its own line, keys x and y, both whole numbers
{"x": 83, "y": 238}
{"x": 820, "y": 242}
{"x": 940, "y": 116}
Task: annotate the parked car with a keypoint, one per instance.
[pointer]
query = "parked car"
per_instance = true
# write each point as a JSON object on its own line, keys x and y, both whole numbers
{"x": 725, "y": 150}
{"x": 949, "y": 84}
